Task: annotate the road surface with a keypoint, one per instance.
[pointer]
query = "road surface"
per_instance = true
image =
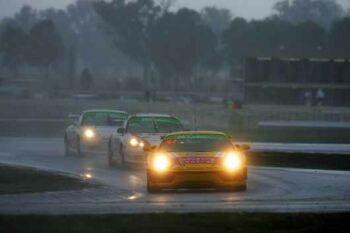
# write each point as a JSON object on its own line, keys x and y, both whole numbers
{"x": 269, "y": 189}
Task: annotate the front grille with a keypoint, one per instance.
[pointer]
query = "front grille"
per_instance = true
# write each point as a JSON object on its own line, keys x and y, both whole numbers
{"x": 227, "y": 177}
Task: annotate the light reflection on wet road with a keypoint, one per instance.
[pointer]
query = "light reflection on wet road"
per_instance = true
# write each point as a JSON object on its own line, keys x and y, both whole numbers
{"x": 269, "y": 189}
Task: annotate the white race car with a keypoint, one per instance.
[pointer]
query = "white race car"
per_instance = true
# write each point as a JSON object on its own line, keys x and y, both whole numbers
{"x": 90, "y": 133}
{"x": 126, "y": 145}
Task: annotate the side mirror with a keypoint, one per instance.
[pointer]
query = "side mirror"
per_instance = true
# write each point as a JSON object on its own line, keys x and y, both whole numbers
{"x": 121, "y": 130}
{"x": 242, "y": 147}
{"x": 149, "y": 148}
{"x": 74, "y": 117}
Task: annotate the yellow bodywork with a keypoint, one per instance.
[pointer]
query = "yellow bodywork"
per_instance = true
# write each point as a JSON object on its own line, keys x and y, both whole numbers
{"x": 205, "y": 170}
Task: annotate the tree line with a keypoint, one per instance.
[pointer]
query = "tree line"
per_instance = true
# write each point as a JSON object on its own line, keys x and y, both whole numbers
{"x": 174, "y": 49}
{"x": 41, "y": 46}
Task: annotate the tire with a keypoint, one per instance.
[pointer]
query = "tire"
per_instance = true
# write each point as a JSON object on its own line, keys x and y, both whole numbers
{"x": 111, "y": 163}
{"x": 151, "y": 189}
{"x": 121, "y": 161}
{"x": 67, "y": 153}
{"x": 241, "y": 188}
{"x": 234, "y": 188}
{"x": 79, "y": 152}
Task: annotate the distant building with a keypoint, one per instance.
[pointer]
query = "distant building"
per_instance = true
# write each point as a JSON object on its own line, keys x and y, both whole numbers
{"x": 287, "y": 80}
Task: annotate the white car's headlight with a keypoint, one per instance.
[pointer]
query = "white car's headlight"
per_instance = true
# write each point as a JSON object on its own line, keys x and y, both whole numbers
{"x": 233, "y": 161}
{"x": 89, "y": 134}
{"x": 135, "y": 142}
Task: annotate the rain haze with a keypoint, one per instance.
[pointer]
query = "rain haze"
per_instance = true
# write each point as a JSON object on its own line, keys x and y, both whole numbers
{"x": 174, "y": 116}
{"x": 251, "y": 9}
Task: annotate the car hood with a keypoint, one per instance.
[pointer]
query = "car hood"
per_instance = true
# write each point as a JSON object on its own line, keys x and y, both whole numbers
{"x": 197, "y": 154}
{"x": 153, "y": 139}
{"x": 105, "y": 131}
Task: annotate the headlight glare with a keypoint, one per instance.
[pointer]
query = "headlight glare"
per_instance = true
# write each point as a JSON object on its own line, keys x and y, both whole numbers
{"x": 161, "y": 163}
{"x": 233, "y": 161}
{"x": 89, "y": 134}
{"x": 134, "y": 142}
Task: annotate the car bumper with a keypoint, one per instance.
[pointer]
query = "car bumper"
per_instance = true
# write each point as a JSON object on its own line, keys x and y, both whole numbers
{"x": 136, "y": 157}
{"x": 203, "y": 179}
{"x": 94, "y": 147}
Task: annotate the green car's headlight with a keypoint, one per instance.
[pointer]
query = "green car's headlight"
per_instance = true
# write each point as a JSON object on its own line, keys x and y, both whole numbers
{"x": 135, "y": 142}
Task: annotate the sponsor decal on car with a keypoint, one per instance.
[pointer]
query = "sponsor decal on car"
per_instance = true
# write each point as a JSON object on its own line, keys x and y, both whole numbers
{"x": 173, "y": 138}
{"x": 197, "y": 160}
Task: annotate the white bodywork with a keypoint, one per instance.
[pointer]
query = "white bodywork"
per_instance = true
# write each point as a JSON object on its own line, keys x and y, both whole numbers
{"x": 121, "y": 152}
{"x": 77, "y": 143}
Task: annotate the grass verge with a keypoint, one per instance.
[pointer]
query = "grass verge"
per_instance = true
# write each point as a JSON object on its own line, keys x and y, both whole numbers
{"x": 300, "y": 160}
{"x": 184, "y": 223}
{"x": 22, "y": 180}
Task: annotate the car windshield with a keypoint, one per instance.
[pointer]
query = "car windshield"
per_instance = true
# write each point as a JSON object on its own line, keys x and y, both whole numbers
{"x": 167, "y": 125}
{"x": 196, "y": 143}
{"x": 154, "y": 125}
{"x": 104, "y": 119}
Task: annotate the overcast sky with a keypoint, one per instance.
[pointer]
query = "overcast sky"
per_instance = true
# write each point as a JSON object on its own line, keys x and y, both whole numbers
{"x": 244, "y": 8}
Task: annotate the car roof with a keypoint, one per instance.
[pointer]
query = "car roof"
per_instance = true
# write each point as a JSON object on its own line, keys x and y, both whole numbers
{"x": 104, "y": 110}
{"x": 197, "y": 133}
{"x": 151, "y": 115}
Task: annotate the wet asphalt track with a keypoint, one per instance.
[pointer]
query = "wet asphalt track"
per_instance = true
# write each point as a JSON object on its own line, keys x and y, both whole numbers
{"x": 124, "y": 191}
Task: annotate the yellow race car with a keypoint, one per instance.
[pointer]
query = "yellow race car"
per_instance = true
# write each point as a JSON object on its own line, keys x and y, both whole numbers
{"x": 196, "y": 160}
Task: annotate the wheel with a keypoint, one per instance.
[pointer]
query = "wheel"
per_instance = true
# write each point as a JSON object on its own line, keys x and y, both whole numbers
{"x": 110, "y": 155}
{"x": 67, "y": 152}
{"x": 151, "y": 189}
{"x": 241, "y": 188}
{"x": 234, "y": 188}
{"x": 79, "y": 152}
{"x": 121, "y": 158}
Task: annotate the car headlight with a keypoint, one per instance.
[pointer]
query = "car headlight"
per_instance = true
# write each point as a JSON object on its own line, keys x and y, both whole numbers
{"x": 161, "y": 163}
{"x": 233, "y": 161}
{"x": 89, "y": 134}
{"x": 134, "y": 142}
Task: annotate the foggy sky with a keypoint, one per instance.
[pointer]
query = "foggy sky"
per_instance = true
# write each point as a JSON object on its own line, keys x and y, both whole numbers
{"x": 244, "y": 8}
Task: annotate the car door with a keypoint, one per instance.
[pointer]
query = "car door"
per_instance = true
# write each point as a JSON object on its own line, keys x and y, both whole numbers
{"x": 70, "y": 134}
{"x": 117, "y": 138}
{"x": 75, "y": 132}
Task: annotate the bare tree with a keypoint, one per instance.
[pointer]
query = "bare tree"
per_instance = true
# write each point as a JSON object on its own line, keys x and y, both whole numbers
{"x": 323, "y": 12}
{"x": 166, "y": 4}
